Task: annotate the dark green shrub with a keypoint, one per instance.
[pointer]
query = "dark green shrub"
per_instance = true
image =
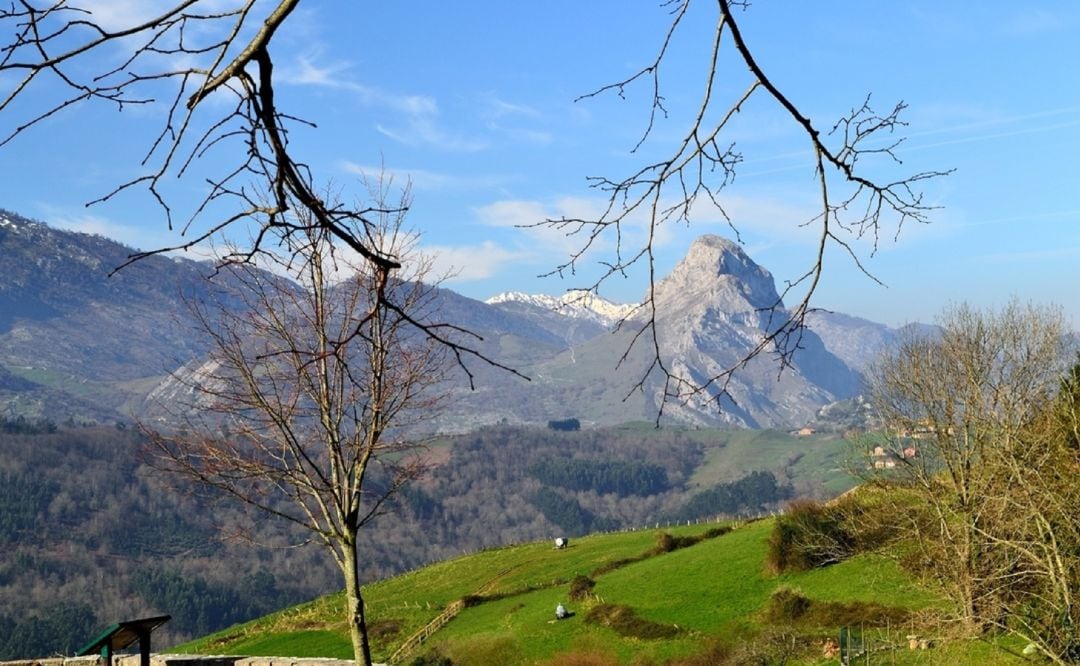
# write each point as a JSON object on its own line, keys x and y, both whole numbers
{"x": 807, "y": 536}
{"x": 485, "y": 650}
{"x": 608, "y": 567}
{"x": 581, "y": 587}
{"x": 788, "y": 607}
{"x": 568, "y": 514}
{"x": 471, "y": 600}
{"x": 665, "y": 543}
{"x": 625, "y": 622}
{"x": 22, "y": 499}
{"x": 384, "y": 629}
{"x": 565, "y": 425}
{"x": 433, "y": 658}
{"x": 714, "y": 532}
{"x": 854, "y": 613}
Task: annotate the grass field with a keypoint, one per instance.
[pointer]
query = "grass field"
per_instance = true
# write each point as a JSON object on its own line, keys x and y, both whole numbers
{"x": 716, "y": 588}
{"x": 59, "y": 380}
{"x": 731, "y": 454}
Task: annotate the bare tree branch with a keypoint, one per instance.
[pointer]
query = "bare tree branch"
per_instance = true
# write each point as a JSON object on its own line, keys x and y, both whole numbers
{"x": 55, "y": 39}
{"x": 853, "y": 205}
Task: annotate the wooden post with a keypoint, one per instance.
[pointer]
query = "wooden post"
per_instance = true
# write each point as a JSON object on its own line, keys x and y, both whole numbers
{"x": 144, "y": 647}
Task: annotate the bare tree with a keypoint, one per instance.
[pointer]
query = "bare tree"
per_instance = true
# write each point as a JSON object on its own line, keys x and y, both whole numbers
{"x": 853, "y": 203}
{"x": 1037, "y": 503}
{"x": 304, "y": 408}
{"x": 977, "y": 437}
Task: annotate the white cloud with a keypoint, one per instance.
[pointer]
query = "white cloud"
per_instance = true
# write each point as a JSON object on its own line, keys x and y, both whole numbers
{"x": 424, "y": 179}
{"x": 136, "y": 237}
{"x": 757, "y": 215}
{"x": 419, "y": 125}
{"x": 140, "y": 237}
{"x": 1055, "y": 254}
{"x": 505, "y": 119}
{"x": 762, "y": 222}
{"x": 128, "y": 54}
{"x": 758, "y": 220}
{"x": 468, "y": 263}
{"x": 513, "y": 213}
{"x": 960, "y": 124}
{"x": 498, "y": 108}
{"x": 761, "y": 219}
{"x": 305, "y": 72}
{"x": 546, "y": 239}
{"x": 421, "y": 112}
{"x": 115, "y": 15}
{"x": 420, "y": 129}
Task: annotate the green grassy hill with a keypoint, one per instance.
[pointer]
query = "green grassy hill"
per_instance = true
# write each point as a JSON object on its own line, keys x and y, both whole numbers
{"x": 815, "y": 463}
{"x": 647, "y": 606}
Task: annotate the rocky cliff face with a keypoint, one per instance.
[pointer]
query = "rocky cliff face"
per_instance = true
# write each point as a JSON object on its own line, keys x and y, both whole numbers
{"x": 717, "y": 301}
{"x": 715, "y": 307}
{"x": 855, "y": 341}
{"x": 717, "y": 277}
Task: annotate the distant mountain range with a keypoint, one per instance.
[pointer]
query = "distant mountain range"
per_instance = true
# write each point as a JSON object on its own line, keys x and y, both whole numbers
{"x": 76, "y": 343}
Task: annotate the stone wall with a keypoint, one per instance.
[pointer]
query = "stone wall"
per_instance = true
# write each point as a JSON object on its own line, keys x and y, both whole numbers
{"x": 58, "y": 661}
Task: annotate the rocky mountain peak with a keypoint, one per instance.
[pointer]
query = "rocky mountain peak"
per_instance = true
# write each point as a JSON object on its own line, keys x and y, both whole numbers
{"x": 717, "y": 273}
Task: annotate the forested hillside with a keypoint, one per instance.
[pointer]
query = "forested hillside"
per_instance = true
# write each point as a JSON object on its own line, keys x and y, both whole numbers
{"x": 91, "y": 534}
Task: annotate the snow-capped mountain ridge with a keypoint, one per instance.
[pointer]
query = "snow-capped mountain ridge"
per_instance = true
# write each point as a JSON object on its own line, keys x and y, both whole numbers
{"x": 5, "y": 223}
{"x": 577, "y": 304}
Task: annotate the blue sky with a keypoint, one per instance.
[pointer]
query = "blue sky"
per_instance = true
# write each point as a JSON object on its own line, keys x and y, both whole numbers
{"x": 474, "y": 102}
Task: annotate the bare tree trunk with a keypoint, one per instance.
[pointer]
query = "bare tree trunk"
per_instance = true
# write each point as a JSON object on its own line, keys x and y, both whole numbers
{"x": 354, "y": 606}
